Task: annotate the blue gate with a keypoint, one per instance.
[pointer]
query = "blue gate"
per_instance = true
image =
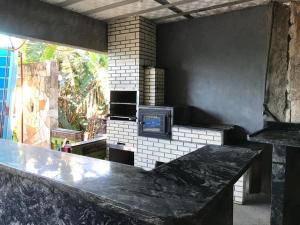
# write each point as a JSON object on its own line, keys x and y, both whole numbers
{"x": 8, "y": 75}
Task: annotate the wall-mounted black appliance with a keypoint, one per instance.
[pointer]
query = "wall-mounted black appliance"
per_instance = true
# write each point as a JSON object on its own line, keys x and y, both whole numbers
{"x": 157, "y": 121}
{"x": 123, "y": 105}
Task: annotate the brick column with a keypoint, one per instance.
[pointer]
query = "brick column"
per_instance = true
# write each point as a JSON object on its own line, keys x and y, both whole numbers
{"x": 154, "y": 93}
{"x": 131, "y": 48}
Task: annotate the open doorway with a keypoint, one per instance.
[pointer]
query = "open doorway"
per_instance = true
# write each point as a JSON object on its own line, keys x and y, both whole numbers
{"x": 56, "y": 87}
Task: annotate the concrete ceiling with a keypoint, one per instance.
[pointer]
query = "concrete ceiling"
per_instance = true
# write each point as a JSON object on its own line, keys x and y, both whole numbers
{"x": 160, "y": 11}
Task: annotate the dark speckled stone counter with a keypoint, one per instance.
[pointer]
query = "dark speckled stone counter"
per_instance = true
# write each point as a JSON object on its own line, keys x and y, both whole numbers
{"x": 278, "y": 137}
{"x": 40, "y": 186}
{"x": 285, "y": 139}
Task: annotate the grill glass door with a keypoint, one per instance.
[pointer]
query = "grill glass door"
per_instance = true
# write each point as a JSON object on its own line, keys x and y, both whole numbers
{"x": 152, "y": 123}
{"x": 155, "y": 122}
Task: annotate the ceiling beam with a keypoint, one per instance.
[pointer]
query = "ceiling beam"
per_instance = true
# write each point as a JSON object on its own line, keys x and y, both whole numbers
{"x": 44, "y": 22}
{"x": 181, "y": 2}
{"x": 174, "y": 8}
{"x": 161, "y": 19}
{"x": 68, "y": 3}
{"x": 110, "y": 6}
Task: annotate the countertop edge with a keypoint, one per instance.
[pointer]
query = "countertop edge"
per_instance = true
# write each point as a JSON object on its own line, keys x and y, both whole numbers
{"x": 101, "y": 202}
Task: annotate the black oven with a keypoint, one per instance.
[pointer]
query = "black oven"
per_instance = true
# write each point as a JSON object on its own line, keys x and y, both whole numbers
{"x": 155, "y": 121}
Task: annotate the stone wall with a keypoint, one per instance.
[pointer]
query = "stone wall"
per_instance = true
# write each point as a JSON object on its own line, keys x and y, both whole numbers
{"x": 40, "y": 103}
{"x": 276, "y": 83}
{"x": 283, "y": 75}
{"x": 294, "y": 63}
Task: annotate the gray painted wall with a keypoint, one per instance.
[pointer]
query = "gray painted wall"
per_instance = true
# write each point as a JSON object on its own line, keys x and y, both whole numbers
{"x": 218, "y": 65}
{"x": 39, "y": 20}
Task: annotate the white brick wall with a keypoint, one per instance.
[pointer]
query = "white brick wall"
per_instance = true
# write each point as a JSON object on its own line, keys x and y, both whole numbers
{"x": 241, "y": 188}
{"x": 154, "y": 86}
{"x": 238, "y": 190}
{"x": 184, "y": 140}
{"x": 131, "y": 47}
{"x": 123, "y": 132}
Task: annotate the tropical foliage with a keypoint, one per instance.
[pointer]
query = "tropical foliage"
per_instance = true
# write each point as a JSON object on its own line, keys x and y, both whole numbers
{"x": 82, "y": 76}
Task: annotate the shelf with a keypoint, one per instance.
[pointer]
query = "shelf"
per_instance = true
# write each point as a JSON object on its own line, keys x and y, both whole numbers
{"x": 122, "y": 103}
{"x": 112, "y": 117}
{"x": 123, "y": 96}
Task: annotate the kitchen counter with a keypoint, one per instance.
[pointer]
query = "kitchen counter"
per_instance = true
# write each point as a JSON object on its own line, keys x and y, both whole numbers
{"x": 285, "y": 139}
{"x": 277, "y": 137}
{"x": 91, "y": 141}
{"x": 95, "y": 148}
{"x": 41, "y": 186}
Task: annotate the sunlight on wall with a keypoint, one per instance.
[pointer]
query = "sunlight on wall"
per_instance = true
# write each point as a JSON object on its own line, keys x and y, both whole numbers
{"x": 38, "y": 103}
{"x": 8, "y": 42}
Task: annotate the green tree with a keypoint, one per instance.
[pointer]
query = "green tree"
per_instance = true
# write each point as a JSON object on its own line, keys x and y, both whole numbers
{"x": 81, "y": 95}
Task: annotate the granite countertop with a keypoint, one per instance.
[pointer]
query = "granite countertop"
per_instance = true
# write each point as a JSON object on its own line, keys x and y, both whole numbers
{"x": 122, "y": 147}
{"x": 178, "y": 189}
{"x": 277, "y": 137}
{"x": 98, "y": 139}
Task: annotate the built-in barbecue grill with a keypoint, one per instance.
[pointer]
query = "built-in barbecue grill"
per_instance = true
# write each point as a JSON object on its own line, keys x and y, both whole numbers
{"x": 123, "y": 105}
{"x": 157, "y": 121}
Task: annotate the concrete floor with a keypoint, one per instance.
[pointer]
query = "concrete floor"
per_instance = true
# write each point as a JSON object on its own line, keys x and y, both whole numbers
{"x": 251, "y": 214}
